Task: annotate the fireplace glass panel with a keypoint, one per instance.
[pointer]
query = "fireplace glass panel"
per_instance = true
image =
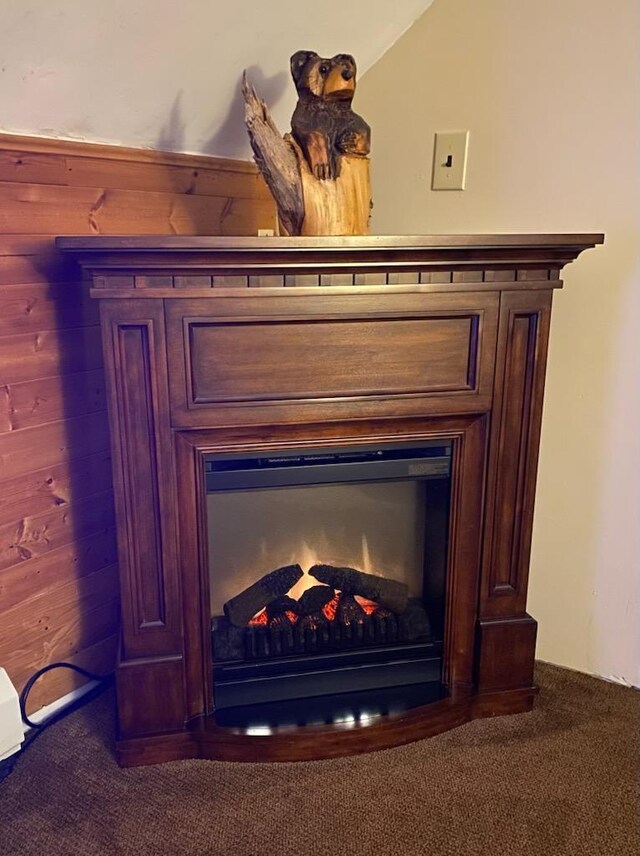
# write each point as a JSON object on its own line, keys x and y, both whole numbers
{"x": 327, "y": 574}
{"x": 376, "y": 527}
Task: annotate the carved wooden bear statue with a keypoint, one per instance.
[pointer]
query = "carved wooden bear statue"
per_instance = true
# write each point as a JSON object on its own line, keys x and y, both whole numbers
{"x": 323, "y": 123}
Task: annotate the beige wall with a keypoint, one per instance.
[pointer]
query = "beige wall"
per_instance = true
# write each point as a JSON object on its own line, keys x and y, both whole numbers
{"x": 549, "y": 92}
{"x": 165, "y": 75}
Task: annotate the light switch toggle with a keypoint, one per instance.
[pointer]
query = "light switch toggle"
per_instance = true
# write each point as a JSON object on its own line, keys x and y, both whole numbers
{"x": 450, "y": 160}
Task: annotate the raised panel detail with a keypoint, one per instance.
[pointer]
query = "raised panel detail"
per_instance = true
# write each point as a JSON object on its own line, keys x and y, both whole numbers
{"x": 328, "y": 359}
{"x": 140, "y": 472}
{"x": 143, "y": 471}
{"x": 523, "y": 335}
{"x": 514, "y": 439}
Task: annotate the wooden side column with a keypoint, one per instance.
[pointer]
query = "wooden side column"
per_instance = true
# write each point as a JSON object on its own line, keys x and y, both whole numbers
{"x": 506, "y": 634}
{"x": 150, "y": 672}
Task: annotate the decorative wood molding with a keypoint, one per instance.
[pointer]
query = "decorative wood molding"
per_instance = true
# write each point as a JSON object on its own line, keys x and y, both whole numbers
{"x": 144, "y": 478}
{"x": 19, "y": 143}
{"x": 522, "y": 348}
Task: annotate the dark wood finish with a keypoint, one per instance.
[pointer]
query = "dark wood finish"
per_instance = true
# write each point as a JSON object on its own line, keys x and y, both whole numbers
{"x": 504, "y": 648}
{"x": 433, "y": 354}
{"x": 517, "y": 414}
{"x": 154, "y": 677}
{"x": 426, "y": 350}
{"x": 143, "y": 477}
{"x": 414, "y": 338}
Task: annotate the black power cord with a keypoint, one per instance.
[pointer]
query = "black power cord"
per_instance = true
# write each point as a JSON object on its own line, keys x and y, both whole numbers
{"x": 103, "y": 681}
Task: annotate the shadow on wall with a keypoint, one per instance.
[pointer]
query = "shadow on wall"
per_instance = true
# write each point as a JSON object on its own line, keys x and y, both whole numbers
{"x": 230, "y": 138}
{"x": 199, "y": 195}
{"x": 172, "y": 134}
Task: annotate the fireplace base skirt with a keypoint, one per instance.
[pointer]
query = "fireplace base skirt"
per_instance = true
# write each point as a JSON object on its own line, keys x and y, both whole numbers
{"x": 204, "y": 738}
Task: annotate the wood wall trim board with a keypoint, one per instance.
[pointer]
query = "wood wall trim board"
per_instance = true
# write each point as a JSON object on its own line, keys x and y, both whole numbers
{"x": 104, "y": 151}
{"x": 49, "y": 353}
{"x": 29, "y": 537}
{"x": 44, "y": 268}
{"x": 94, "y": 590}
{"x": 29, "y": 308}
{"x": 80, "y": 171}
{"x": 37, "y": 402}
{"x": 36, "y": 492}
{"x": 69, "y": 624}
{"x": 60, "y": 210}
{"x": 78, "y": 624}
{"x": 65, "y": 564}
{"x": 55, "y": 467}
{"x": 22, "y": 452}
{"x": 28, "y": 245}
{"x": 98, "y": 658}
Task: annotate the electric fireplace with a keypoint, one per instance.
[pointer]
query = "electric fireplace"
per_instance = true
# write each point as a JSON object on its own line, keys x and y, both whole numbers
{"x": 324, "y": 457}
{"x": 354, "y": 544}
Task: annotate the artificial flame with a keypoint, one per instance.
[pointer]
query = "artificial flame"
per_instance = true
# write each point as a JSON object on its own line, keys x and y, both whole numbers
{"x": 369, "y": 606}
{"x": 307, "y": 557}
{"x": 260, "y": 619}
{"x": 331, "y": 608}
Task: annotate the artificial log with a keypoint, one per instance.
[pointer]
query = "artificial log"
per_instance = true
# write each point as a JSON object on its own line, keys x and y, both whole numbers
{"x": 319, "y": 174}
{"x": 281, "y": 605}
{"x": 349, "y": 610}
{"x": 390, "y": 593}
{"x": 314, "y": 598}
{"x": 241, "y": 608}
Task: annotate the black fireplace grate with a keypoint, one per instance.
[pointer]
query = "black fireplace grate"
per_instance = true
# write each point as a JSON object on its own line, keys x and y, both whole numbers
{"x": 266, "y": 642}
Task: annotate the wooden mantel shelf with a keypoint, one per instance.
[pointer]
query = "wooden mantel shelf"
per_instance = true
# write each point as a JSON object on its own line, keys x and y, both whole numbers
{"x": 237, "y": 344}
{"x": 391, "y": 254}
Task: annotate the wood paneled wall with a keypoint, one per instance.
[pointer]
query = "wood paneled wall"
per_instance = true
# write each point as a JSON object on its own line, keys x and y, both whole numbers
{"x": 58, "y": 571}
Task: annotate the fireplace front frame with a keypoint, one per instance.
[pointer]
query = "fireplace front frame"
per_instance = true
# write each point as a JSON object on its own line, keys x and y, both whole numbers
{"x": 459, "y": 328}
{"x": 468, "y": 436}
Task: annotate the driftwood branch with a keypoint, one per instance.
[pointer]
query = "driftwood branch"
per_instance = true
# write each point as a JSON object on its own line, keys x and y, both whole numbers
{"x": 276, "y": 160}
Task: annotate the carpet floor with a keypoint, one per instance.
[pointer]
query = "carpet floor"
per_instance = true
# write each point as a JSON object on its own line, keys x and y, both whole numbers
{"x": 560, "y": 780}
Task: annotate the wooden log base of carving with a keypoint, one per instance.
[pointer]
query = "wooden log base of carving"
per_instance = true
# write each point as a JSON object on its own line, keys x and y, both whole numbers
{"x": 245, "y": 345}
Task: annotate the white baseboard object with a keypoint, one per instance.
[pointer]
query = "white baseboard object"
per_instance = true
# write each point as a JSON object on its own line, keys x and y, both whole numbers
{"x": 48, "y": 710}
{"x": 11, "y": 729}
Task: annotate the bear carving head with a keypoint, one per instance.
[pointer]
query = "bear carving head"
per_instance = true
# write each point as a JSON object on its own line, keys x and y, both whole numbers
{"x": 317, "y": 77}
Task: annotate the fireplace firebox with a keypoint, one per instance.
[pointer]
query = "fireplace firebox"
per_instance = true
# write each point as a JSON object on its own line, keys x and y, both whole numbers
{"x": 324, "y": 457}
{"x": 354, "y": 542}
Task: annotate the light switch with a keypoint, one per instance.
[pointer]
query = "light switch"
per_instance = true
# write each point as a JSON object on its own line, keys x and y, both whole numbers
{"x": 450, "y": 160}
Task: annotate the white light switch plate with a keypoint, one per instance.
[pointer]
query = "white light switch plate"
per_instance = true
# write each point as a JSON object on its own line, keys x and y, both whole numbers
{"x": 450, "y": 160}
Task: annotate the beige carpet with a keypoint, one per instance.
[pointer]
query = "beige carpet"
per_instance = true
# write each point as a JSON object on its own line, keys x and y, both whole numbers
{"x": 560, "y": 780}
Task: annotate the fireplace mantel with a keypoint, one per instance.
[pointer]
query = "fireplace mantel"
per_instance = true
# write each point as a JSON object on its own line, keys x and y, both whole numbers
{"x": 236, "y": 344}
